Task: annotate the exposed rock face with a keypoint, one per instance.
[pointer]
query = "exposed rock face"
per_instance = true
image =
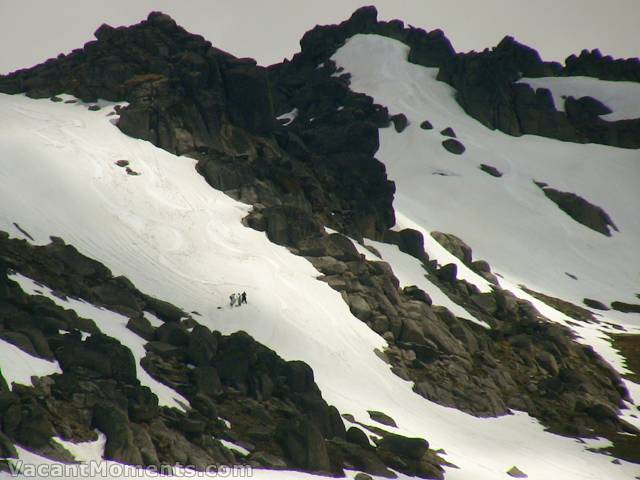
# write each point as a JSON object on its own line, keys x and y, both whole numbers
{"x": 515, "y": 472}
{"x": 190, "y": 98}
{"x": 493, "y": 171}
{"x": 430, "y": 346}
{"x": 484, "y": 80}
{"x": 411, "y": 447}
{"x": 581, "y": 210}
{"x": 408, "y": 241}
{"x": 626, "y": 307}
{"x": 569, "y": 309}
{"x": 63, "y": 268}
{"x": 486, "y": 89}
{"x": 147, "y": 66}
{"x": 181, "y": 90}
{"x": 594, "y": 64}
{"x": 429, "y": 49}
{"x": 249, "y": 97}
{"x": 98, "y": 386}
{"x": 114, "y": 423}
{"x": 319, "y": 169}
{"x": 382, "y": 418}
{"x": 453, "y": 146}
{"x": 458, "y": 248}
{"x": 400, "y": 122}
{"x": 263, "y": 396}
{"x": 448, "y": 132}
{"x": 598, "y": 305}
{"x": 305, "y": 445}
{"x": 454, "y": 245}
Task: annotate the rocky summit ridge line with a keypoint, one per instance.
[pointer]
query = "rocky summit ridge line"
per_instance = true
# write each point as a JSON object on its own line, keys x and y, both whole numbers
{"x": 317, "y": 170}
{"x": 485, "y": 81}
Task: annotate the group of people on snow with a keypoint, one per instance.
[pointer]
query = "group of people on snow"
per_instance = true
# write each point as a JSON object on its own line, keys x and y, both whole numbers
{"x": 237, "y": 299}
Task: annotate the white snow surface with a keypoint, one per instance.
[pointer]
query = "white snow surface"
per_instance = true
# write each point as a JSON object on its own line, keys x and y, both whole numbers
{"x": 288, "y": 117}
{"x": 507, "y": 221}
{"x": 362, "y": 250}
{"x": 622, "y": 98}
{"x": 178, "y": 239}
{"x": 153, "y": 320}
{"x": 410, "y": 272}
{"x": 233, "y": 446}
{"x": 18, "y": 366}
{"x": 440, "y": 254}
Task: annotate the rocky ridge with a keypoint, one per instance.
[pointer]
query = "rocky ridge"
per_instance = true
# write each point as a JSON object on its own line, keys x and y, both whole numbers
{"x": 239, "y": 391}
{"x": 486, "y": 82}
{"x": 320, "y": 170}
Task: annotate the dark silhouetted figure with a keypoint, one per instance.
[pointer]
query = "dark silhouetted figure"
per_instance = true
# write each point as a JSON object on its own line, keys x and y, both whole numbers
{"x": 243, "y": 297}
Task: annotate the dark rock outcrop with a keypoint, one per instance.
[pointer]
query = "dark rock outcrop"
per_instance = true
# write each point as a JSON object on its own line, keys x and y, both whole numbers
{"x": 453, "y": 146}
{"x": 429, "y": 49}
{"x": 581, "y": 210}
{"x": 305, "y": 445}
{"x": 448, "y": 132}
{"x": 400, "y": 122}
{"x": 263, "y": 396}
{"x": 515, "y": 472}
{"x": 598, "y": 305}
{"x": 431, "y": 347}
{"x": 594, "y": 64}
{"x": 454, "y": 245}
{"x": 409, "y": 241}
{"x": 317, "y": 170}
{"x": 487, "y": 89}
{"x": 181, "y": 90}
{"x": 493, "y": 171}
{"x": 382, "y": 418}
{"x": 625, "y": 307}
{"x": 114, "y": 423}
{"x": 410, "y": 447}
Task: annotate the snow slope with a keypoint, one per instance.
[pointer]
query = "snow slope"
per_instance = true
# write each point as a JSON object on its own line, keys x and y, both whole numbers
{"x": 622, "y": 98}
{"x": 178, "y": 239}
{"x": 114, "y": 325}
{"x": 507, "y": 221}
{"x": 18, "y": 366}
{"x": 410, "y": 272}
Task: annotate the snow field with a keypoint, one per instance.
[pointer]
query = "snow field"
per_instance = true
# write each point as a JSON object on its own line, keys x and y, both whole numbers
{"x": 180, "y": 240}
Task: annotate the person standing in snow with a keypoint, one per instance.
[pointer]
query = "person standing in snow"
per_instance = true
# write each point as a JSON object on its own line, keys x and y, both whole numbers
{"x": 243, "y": 298}
{"x": 232, "y": 299}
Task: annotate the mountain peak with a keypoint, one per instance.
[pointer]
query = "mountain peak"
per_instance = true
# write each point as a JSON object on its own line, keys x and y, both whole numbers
{"x": 380, "y": 234}
{"x": 363, "y": 17}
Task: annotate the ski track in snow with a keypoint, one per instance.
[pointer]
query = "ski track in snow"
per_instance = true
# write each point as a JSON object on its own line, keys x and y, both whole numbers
{"x": 209, "y": 254}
